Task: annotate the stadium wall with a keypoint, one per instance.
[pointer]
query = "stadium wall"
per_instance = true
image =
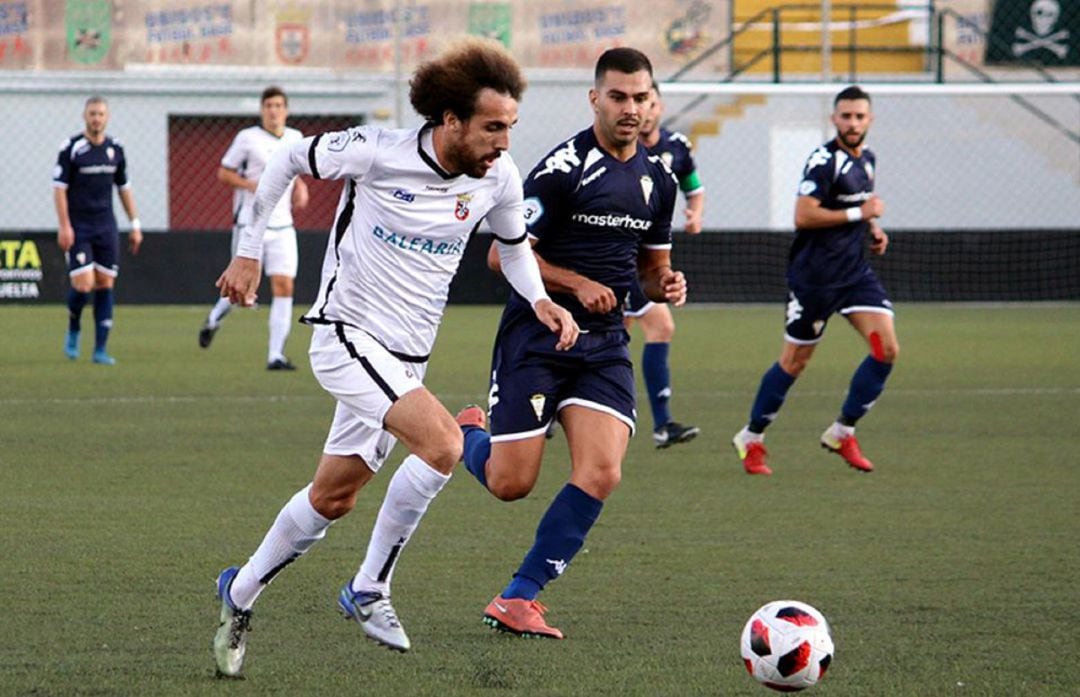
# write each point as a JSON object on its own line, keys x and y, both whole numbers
{"x": 738, "y": 266}
{"x": 945, "y": 162}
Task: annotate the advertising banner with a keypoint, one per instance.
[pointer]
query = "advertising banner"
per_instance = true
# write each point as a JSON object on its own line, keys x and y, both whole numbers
{"x": 21, "y": 272}
{"x": 167, "y": 31}
{"x": 347, "y": 34}
{"x": 16, "y": 49}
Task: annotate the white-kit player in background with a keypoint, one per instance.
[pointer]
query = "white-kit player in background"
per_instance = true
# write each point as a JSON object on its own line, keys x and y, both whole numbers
{"x": 241, "y": 168}
{"x": 411, "y": 200}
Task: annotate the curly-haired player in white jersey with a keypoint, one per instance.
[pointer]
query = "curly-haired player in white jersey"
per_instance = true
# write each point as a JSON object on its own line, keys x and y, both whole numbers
{"x": 411, "y": 200}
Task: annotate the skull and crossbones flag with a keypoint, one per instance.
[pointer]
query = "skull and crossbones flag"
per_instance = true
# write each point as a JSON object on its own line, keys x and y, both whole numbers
{"x": 1046, "y": 32}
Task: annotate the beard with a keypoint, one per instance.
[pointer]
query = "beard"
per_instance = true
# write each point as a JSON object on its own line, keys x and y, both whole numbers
{"x": 618, "y": 138}
{"x": 851, "y": 140}
{"x": 460, "y": 160}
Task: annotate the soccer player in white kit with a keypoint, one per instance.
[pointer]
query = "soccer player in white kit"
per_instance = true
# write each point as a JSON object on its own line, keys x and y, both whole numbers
{"x": 411, "y": 200}
{"x": 241, "y": 167}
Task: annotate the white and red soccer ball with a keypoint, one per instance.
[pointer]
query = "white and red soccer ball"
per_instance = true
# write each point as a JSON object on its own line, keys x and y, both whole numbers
{"x": 786, "y": 645}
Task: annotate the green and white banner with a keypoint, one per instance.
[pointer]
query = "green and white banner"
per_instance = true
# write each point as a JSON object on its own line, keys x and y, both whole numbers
{"x": 88, "y": 25}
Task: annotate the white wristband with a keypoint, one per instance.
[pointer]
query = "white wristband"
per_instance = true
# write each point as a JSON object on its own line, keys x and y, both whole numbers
{"x": 136, "y": 224}
{"x": 854, "y": 215}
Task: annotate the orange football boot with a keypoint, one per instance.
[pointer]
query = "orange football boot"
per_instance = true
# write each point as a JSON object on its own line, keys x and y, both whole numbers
{"x": 524, "y": 618}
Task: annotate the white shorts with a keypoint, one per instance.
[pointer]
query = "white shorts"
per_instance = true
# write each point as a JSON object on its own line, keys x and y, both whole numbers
{"x": 280, "y": 257}
{"x": 366, "y": 380}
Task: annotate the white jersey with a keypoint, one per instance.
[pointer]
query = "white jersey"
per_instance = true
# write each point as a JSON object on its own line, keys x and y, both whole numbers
{"x": 401, "y": 229}
{"x": 248, "y": 154}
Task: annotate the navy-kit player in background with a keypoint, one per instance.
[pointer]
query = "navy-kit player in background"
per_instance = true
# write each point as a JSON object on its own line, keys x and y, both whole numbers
{"x": 598, "y": 210}
{"x": 657, "y": 323}
{"x": 87, "y": 168}
{"x": 835, "y": 212}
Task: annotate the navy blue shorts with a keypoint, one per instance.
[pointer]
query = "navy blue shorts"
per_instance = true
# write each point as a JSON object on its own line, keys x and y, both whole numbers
{"x": 808, "y": 310}
{"x": 637, "y": 303}
{"x": 97, "y": 247}
{"x": 531, "y": 381}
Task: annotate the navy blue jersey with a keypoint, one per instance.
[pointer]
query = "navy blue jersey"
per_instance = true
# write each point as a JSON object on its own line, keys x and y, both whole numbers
{"x": 89, "y": 172}
{"x": 592, "y": 213}
{"x": 677, "y": 153}
{"x": 833, "y": 257}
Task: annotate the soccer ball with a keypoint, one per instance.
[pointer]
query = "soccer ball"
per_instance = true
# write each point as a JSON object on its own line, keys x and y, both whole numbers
{"x": 786, "y": 645}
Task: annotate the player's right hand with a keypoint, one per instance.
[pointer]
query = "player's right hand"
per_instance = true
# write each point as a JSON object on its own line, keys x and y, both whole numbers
{"x": 240, "y": 281}
{"x": 65, "y": 237}
{"x": 596, "y": 297}
{"x": 872, "y": 207}
{"x": 559, "y": 320}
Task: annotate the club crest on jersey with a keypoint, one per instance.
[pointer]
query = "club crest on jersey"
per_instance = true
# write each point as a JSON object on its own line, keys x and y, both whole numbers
{"x": 537, "y": 401}
{"x": 869, "y": 170}
{"x": 461, "y": 208}
{"x": 667, "y": 158}
{"x": 111, "y": 153}
{"x": 646, "y": 187}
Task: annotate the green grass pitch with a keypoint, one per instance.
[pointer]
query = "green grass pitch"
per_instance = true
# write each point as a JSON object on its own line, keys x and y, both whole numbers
{"x": 951, "y": 570}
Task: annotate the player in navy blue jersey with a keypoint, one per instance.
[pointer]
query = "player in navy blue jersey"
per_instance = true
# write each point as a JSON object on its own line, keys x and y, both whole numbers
{"x": 657, "y": 323}
{"x": 598, "y": 210}
{"x": 89, "y": 165}
{"x": 836, "y": 211}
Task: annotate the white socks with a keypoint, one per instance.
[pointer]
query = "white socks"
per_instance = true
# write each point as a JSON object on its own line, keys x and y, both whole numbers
{"x": 839, "y": 430}
{"x": 280, "y": 323}
{"x": 748, "y": 436}
{"x": 218, "y": 312}
{"x": 297, "y": 527}
{"x": 411, "y": 490}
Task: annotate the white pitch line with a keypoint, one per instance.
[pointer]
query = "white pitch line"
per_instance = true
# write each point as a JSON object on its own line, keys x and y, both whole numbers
{"x": 455, "y": 397}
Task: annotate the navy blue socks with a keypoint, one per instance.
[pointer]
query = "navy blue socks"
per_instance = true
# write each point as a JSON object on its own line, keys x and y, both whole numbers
{"x": 477, "y": 452}
{"x": 103, "y": 313}
{"x": 657, "y": 374}
{"x": 76, "y": 301}
{"x": 775, "y": 384}
{"x": 559, "y": 536}
{"x": 866, "y": 386}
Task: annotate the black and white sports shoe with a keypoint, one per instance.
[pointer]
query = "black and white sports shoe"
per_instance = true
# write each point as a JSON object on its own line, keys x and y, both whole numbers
{"x": 280, "y": 364}
{"x": 375, "y": 615}
{"x": 206, "y": 335}
{"x": 674, "y": 432}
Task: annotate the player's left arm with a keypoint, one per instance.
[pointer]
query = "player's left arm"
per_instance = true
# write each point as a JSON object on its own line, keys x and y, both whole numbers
{"x": 512, "y": 253}
{"x": 520, "y": 265}
{"x": 689, "y": 184}
{"x": 659, "y": 281}
{"x": 879, "y": 241}
{"x": 810, "y": 214}
{"x": 695, "y": 211}
{"x": 127, "y": 200}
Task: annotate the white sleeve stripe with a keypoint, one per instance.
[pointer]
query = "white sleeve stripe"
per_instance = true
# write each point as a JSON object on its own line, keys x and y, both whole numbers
{"x": 657, "y": 246}
{"x": 59, "y": 185}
